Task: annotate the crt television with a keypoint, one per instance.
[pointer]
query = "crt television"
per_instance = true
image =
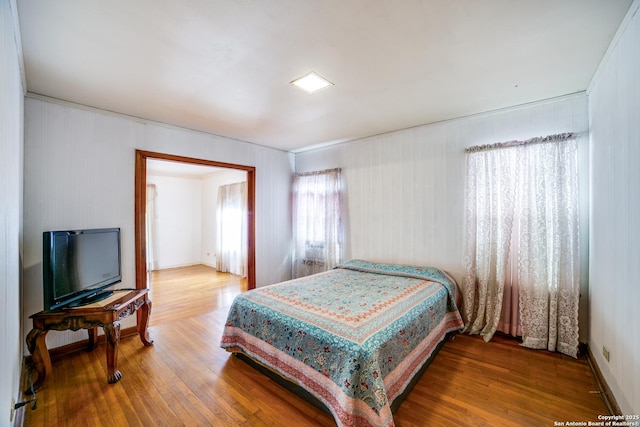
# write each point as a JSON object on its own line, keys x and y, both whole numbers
{"x": 79, "y": 266}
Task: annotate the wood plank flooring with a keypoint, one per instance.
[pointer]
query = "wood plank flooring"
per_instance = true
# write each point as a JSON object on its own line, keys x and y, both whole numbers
{"x": 186, "y": 379}
{"x": 180, "y": 293}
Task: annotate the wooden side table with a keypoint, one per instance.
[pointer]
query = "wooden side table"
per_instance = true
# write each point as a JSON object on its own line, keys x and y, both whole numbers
{"x": 106, "y": 314}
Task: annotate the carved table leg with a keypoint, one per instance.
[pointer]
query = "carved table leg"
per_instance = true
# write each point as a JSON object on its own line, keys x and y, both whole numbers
{"x": 93, "y": 337}
{"x": 112, "y": 335}
{"x": 143, "y": 322}
{"x": 37, "y": 345}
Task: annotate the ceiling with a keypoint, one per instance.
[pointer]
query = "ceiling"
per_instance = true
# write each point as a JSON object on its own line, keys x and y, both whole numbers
{"x": 224, "y": 66}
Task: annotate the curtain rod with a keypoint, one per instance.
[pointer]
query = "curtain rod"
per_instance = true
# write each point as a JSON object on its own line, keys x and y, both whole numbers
{"x": 318, "y": 172}
{"x": 542, "y": 139}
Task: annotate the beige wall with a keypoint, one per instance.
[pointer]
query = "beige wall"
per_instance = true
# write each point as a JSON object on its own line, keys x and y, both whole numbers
{"x": 11, "y": 135}
{"x": 405, "y": 189}
{"x": 614, "y": 247}
{"x": 79, "y": 173}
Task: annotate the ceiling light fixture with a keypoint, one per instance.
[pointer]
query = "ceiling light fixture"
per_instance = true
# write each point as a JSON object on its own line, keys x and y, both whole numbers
{"x": 311, "y": 82}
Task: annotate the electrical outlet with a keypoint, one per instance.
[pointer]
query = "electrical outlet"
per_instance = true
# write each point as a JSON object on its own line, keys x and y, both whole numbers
{"x": 13, "y": 409}
{"x": 605, "y": 352}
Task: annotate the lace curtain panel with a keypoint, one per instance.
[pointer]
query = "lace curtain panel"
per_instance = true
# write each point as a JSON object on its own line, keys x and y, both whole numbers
{"x": 231, "y": 221}
{"x": 317, "y": 223}
{"x": 151, "y": 250}
{"x": 522, "y": 241}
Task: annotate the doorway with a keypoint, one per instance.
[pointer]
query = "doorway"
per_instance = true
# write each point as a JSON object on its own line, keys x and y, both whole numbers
{"x": 141, "y": 207}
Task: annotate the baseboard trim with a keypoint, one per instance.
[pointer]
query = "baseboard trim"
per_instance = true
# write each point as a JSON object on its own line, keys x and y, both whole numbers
{"x": 18, "y": 415}
{"x": 603, "y": 387}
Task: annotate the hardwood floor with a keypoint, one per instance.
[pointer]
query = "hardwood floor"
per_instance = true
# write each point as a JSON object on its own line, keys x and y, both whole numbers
{"x": 186, "y": 379}
{"x": 179, "y": 293}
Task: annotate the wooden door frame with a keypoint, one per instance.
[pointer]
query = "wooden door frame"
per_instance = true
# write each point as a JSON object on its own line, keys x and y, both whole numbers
{"x": 141, "y": 210}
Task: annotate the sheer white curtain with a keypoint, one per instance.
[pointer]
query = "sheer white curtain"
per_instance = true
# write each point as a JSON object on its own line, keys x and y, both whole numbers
{"x": 317, "y": 223}
{"x": 151, "y": 245}
{"x": 549, "y": 254}
{"x": 490, "y": 209}
{"x": 231, "y": 237}
{"x": 522, "y": 249}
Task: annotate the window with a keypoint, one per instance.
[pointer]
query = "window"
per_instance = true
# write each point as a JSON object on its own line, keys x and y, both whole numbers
{"x": 317, "y": 208}
{"x": 231, "y": 242}
{"x": 522, "y": 250}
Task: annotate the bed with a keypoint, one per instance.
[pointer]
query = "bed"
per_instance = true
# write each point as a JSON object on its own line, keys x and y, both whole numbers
{"x": 355, "y": 338}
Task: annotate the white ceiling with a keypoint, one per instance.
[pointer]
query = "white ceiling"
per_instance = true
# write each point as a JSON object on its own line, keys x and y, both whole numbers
{"x": 224, "y": 66}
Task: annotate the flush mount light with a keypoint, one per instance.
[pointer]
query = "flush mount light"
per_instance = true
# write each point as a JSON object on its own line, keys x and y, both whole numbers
{"x": 311, "y": 82}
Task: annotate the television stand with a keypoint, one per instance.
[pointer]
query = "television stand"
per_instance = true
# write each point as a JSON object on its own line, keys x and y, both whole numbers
{"x": 106, "y": 314}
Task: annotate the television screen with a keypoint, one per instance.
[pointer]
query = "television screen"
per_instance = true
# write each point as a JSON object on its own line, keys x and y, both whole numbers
{"x": 79, "y": 264}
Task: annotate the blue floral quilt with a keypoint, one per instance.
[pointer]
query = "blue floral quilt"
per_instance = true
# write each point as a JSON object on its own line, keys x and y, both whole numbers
{"x": 353, "y": 337}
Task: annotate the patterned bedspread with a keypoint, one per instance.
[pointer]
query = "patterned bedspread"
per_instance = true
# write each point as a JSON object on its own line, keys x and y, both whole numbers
{"x": 354, "y": 336}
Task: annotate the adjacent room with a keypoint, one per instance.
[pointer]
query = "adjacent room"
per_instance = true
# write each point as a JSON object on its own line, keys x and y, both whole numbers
{"x": 194, "y": 230}
{"x": 440, "y": 229}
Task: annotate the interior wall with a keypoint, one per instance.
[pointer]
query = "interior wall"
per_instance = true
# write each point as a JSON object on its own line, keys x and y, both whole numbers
{"x": 178, "y": 220}
{"x": 405, "y": 189}
{"x": 79, "y": 173}
{"x": 11, "y": 160}
{"x": 614, "y": 248}
{"x": 186, "y": 216}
